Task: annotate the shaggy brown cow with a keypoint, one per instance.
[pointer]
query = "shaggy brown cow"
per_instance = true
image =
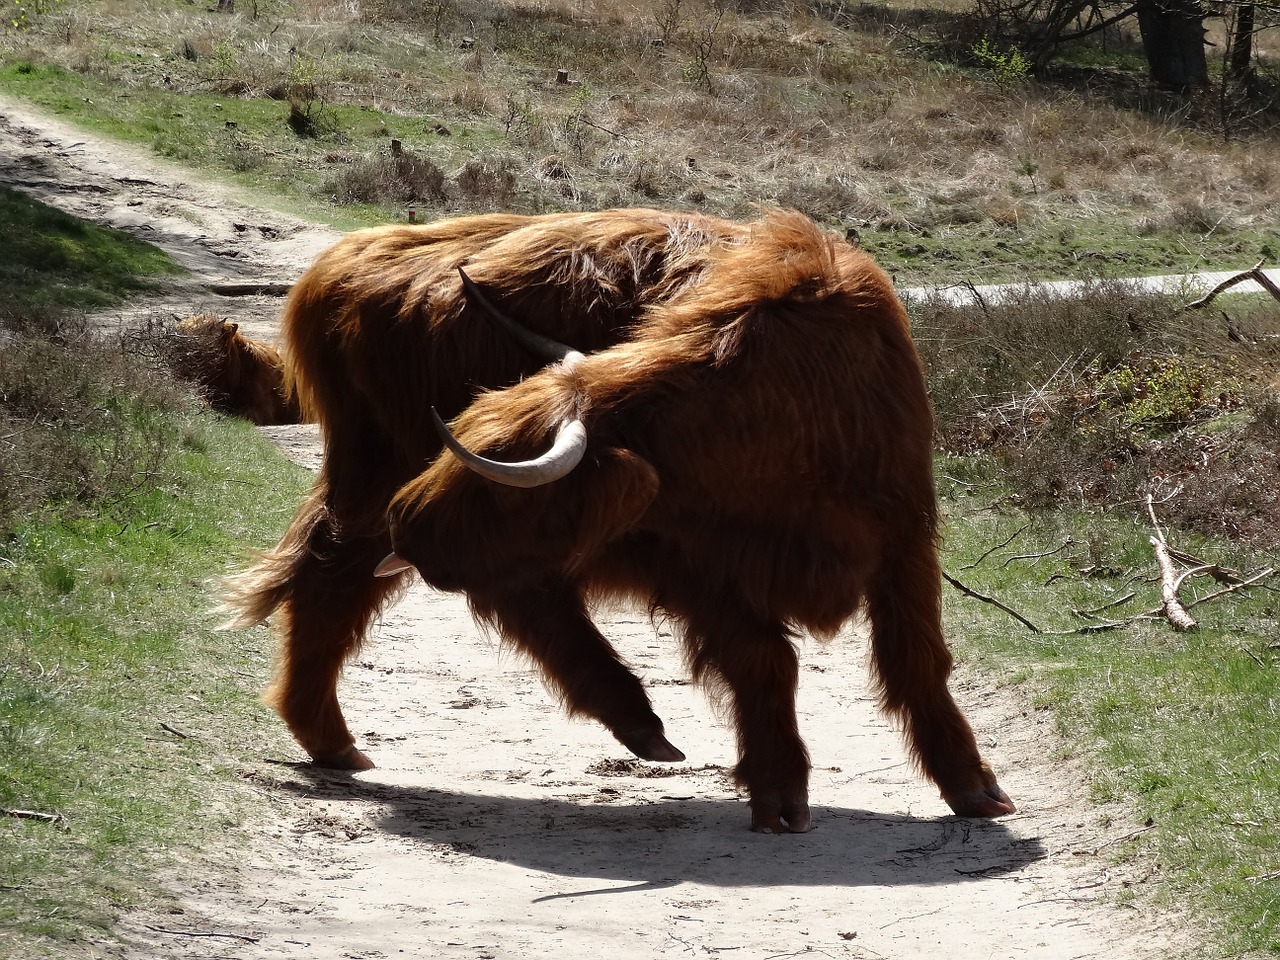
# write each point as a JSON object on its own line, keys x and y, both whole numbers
{"x": 757, "y": 461}
{"x": 235, "y": 374}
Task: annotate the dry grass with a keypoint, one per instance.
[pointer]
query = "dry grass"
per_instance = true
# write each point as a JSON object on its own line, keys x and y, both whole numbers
{"x": 842, "y": 120}
{"x": 1103, "y": 399}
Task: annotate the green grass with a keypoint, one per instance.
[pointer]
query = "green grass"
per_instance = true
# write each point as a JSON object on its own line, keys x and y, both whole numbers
{"x": 107, "y": 647}
{"x": 50, "y": 259}
{"x": 122, "y": 713}
{"x": 1178, "y": 729}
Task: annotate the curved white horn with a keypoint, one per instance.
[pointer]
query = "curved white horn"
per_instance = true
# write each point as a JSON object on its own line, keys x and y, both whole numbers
{"x": 566, "y": 453}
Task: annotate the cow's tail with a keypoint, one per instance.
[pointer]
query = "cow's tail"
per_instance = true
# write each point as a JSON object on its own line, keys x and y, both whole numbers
{"x": 250, "y": 597}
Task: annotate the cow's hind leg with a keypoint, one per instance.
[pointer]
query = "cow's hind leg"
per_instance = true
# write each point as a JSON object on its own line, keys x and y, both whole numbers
{"x": 754, "y": 658}
{"x": 912, "y": 664}
{"x": 549, "y": 622}
{"x": 320, "y": 584}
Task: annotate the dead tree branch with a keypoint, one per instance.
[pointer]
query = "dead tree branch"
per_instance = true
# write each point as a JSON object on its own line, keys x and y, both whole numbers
{"x": 1256, "y": 274}
{"x": 999, "y": 546}
{"x": 970, "y": 592}
{"x": 33, "y": 815}
{"x": 1169, "y": 581}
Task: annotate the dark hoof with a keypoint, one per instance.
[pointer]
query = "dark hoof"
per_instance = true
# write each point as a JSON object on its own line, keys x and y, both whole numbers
{"x": 348, "y": 759}
{"x": 793, "y": 821}
{"x": 782, "y": 817}
{"x": 985, "y": 802}
{"x": 651, "y": 746}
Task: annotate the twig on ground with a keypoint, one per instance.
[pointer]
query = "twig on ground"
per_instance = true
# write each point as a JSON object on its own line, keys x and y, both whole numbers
{"x": 196, "y": 933}
{"x": 1121, "y": 839}
{"x": 999, "y": 546}
{"x": 969, "y": 591}
{"x": 1087, "y": 614}
{"x": 175, "y": 731}
{"x": 1253, "y": 656}
{"x": 33, "y": 815}
{"x": 1039, "y": 556}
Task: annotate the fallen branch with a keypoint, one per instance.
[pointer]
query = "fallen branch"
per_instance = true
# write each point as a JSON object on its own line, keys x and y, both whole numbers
{"x": 1247, "y": 582}
{"x": 1173, "y": 609}
{"x": 999, "y": 546}
{"x": 33, "y": 815}
{"x": 1216, "y": 570}
{"x": 970, "y": 592}
{"x": 1256, "y": 274}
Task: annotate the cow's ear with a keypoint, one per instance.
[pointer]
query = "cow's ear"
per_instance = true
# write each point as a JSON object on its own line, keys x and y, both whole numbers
{"x": 620, "y": 488}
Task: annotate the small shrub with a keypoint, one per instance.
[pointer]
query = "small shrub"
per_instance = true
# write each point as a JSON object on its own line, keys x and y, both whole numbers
{"x": 25, "y": 13}
{"x": 402, "y": 177}
{"x": 1197, "y": 217}
{"x": 302, "y": 88}
{"x": 1008, "y": 67}
{"x": 831, "y": 199}
{"x": 1165, "y": 392}
{"x": 84, "y": 423}
{"x": 488, "y": 184}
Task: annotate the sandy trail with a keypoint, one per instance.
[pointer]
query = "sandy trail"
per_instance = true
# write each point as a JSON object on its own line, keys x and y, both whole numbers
{"x": 494, "y": 827}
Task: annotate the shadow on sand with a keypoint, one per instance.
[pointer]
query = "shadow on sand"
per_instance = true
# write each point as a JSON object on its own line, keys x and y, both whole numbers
{"x": 680, "y": 839}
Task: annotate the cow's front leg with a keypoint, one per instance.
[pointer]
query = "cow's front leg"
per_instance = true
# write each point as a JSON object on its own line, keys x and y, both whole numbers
{"x": 755, "y": 659}
{"x": 549, "y": 622}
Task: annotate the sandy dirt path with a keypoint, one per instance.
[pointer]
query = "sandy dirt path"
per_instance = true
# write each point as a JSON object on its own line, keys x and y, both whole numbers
{"x": 494, "y": 827}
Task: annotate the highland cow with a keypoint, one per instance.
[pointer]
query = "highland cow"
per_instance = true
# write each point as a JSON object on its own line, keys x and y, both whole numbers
{"x": 235, "y": 374}
{"x": 737, "y": 436}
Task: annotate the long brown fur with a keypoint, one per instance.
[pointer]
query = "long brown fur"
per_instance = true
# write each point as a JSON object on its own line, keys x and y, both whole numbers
{"x": 236, "y": 374}
{"x": 759, "y": 463}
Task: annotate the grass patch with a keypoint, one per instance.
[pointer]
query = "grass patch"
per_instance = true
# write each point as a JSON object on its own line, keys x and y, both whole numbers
{"x": 49, "y": 260}
{"x": 119, "y": 500}
{"x": 116, "y": 696}
{"x": 1177, "y": 728}
{"x": 107, "y": 648}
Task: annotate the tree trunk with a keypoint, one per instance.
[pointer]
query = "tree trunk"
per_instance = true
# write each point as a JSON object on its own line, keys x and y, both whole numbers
{"x": 1173, "y": 39}
{"x": 1240, "y": 59}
